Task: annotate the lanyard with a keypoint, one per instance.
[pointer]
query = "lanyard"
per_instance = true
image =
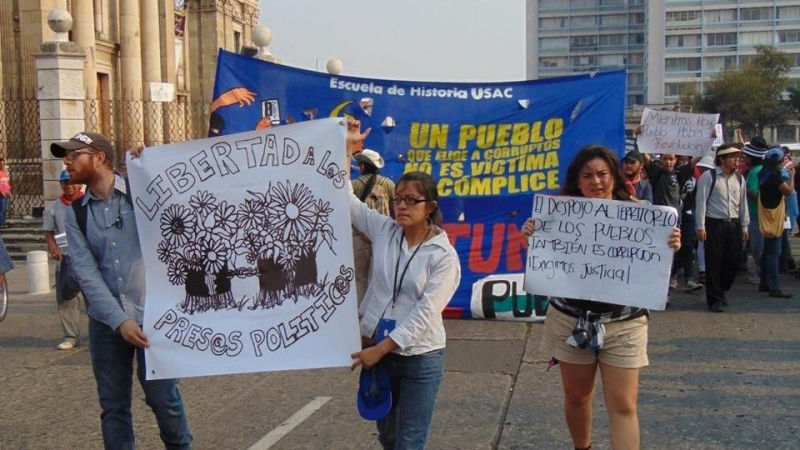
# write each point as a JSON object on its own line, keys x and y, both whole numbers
{"x": 396, "y": 286}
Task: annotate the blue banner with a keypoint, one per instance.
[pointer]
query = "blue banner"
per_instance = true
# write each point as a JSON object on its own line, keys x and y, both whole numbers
{"x": 491, "y": 146}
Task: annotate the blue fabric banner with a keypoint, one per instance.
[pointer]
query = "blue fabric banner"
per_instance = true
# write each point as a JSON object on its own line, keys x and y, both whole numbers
{"x": 490, "y": 146}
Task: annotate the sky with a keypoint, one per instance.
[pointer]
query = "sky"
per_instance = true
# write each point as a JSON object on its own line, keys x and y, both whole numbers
{"x": 420, "y": 40}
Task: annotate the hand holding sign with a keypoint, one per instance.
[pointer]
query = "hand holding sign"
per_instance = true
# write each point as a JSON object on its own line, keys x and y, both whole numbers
{"x": 600, "y": 250}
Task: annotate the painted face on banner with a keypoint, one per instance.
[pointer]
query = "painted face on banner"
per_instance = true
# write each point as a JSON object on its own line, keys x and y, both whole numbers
{"x": 595, "y": 180}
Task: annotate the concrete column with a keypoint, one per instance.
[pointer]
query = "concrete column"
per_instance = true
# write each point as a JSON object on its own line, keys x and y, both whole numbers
{"x": 151, "y": 71}
{"x": 59, "y": 75}
{"x": 83, "y": 33}
{"x": 131, "y": 76}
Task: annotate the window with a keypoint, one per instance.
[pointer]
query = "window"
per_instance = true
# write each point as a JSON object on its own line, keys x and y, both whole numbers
{"x": 551, "y": 23}
{"x": 796, "y": 59}
{"x": 756, "y": 14}
{"x": 789, "y": 12}
{"x": 757, "y": 38}
{"x": 556, "y": 43}
{"x": 676, "y": 89}
{"x": 614, "y": 19}
{"x": 584, "y": 61}
{"x": 683, "y": 40}
{"x": 635, "y": 80}
{"x": 612, "y": 39}
{"x": 583, "y": 21}
{"x": 719, "y": 39}
{"x": 720, "y": 15}
{"x": 583, "y": 42}
{"x": 613, "y": 60}
{"x": 636, "y": 99}
{"x": 636, "y": 38}
{"x": 552, "y": 62}
{"x": 237, "y": 41}
{"x": 636, "y": 58}
{"x": 682, "y": 65}
{"x": 636, "y": 18}
{"x": 719, "y": 63}
{"x": 682, "y": 16}
{"x": 788, "y": 36}
{"x": 582, "y": 3}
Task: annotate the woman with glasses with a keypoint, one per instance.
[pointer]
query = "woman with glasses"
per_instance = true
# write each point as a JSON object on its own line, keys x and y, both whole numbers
{"x": 415, "y": 273}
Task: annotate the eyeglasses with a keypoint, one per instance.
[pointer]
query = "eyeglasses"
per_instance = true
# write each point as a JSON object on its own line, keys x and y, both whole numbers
{"x": 410, "y": 201}
{"x": 72, "y": 156}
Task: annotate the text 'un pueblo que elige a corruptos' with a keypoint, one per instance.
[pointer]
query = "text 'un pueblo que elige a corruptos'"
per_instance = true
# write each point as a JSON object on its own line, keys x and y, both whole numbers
{"x": 635, "y": 238}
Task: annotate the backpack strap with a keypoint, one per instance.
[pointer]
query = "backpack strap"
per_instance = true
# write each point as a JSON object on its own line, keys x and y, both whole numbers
{"x": 373, "y": 178}
{"x": 80, "y": 208}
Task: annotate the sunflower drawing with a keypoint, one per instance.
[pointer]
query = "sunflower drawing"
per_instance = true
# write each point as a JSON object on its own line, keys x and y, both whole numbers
{"x": 291, "y": 210}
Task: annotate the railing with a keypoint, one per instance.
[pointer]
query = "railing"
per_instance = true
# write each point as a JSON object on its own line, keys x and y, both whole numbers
{"x": 127, "y": 124}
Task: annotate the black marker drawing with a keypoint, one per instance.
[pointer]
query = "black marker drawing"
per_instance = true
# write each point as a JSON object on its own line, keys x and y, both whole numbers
{"x": 279, "y": 232}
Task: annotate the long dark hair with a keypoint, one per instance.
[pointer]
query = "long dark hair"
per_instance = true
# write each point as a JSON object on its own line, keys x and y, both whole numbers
{"x": 588, "y": 153}
{"x": 427, "y": 186}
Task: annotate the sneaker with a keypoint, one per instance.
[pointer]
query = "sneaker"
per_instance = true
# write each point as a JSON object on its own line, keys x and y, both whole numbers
{"x": 753, "y": 279}
{"x": 66, "y": 345}
{"x": 673, "y": 283}
{"x": 691, "y": 286}
{"x": 779, "y": 294}
{"x": 717, "y": 307}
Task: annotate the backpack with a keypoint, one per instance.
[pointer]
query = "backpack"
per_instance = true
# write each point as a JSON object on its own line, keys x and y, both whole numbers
{"x": 80, "y": 208}
{"x": 374, "y": 196}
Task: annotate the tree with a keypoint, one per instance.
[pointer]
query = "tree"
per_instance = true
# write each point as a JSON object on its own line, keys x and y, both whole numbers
{"x": 750, "y": 97}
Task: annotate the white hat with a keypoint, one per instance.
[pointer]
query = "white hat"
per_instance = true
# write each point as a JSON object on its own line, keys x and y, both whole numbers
{"x": 370, "y": 157}
{"x": 707, "y": 160}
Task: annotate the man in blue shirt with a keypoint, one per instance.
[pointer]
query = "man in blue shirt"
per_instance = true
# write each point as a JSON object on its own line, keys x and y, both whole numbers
{"x": 107, "y": 261}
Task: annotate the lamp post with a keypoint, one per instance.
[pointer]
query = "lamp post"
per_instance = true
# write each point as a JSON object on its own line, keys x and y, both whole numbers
{"x": 262, "y": 38}
{"x": 334, "y": 66}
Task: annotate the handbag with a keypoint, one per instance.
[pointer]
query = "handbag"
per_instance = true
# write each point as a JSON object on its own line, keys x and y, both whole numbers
{"x": 770, "y": 220}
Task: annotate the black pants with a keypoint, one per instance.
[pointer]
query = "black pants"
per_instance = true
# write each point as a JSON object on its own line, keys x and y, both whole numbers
{"x": 723, "y": 254}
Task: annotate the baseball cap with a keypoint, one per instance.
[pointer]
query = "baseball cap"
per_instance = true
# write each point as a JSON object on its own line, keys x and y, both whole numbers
{"x": 64, "y": 176}
{"x": 82, "y": 140}
{"x": 374, "y": 398}
{"x": 370, "y": 157}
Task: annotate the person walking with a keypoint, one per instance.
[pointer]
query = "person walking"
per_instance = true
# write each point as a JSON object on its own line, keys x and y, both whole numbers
{"x": 618, "y": 333}
{"x": 5, "y": 192}
{"x": 107, "y": 261}
{"x": 754, "y": 152}
{"x": 722, "y": 219}
{"x": 773, "y": 189}
{"x": 68, "y": 294}
{"x": 638, "y": 186}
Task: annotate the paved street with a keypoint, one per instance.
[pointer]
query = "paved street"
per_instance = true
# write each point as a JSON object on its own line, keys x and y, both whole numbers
{"x": 716, "y": 381}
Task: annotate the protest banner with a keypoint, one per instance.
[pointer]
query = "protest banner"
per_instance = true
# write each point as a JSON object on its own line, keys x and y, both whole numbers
{"x": 602, "y": 250}
{"x": 247, "y": 247}
{"x": 503, "y": 297}
{"x": 490, "y": 146}
{"x": 676, "y": 132}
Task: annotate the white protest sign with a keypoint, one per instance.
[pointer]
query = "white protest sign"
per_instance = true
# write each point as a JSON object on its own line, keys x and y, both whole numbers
{"x": 676, "y": 132}
{"x": 719, "y": 140}
{"x": 601, "y": 250}
{"x": 247, "y": 246}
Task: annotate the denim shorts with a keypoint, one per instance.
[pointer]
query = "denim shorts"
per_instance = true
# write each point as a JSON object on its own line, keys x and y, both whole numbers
{"x": 624, "y": 346}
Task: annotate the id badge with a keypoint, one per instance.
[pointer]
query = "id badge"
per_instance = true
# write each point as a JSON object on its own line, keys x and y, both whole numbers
{"x": 385, "y": 326}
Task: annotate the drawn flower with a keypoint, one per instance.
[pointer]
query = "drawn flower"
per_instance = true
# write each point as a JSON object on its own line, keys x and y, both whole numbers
{"x": 177, "y": 224}
{"x": 291, "y": 210}
{"x": 176, "y": 272}
{"x": 251, "y": 215}
{"x": 269, "y": 247}
{"x": 211, "y": 255}
{"x": 203, "y": 202}
{"x": 166, "y": 252}
{"x": 323, "y": 210}
{"x": 224, "y": 220}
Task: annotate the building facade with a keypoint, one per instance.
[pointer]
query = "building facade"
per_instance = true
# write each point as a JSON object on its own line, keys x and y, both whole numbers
{"x": 667, "y": 46}
{"x": 148, "y": 75}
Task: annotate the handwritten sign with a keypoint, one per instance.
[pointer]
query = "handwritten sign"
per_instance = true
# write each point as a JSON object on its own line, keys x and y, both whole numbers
{"x": 602, "y": 250}
{"x": 676, "y": 132}
{"x": 247, "y": 243}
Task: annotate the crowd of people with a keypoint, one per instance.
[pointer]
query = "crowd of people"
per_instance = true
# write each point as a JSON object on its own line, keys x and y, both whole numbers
{"x": 732, "y": 204}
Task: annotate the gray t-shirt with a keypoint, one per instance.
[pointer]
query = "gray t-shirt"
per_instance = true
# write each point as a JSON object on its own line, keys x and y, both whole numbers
{"x": 54, "y": 219}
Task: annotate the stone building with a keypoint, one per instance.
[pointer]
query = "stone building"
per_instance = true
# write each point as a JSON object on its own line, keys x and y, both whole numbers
{"x": 148, "y": 75}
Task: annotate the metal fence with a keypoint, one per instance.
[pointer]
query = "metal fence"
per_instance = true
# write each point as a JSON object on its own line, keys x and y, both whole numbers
{"x": 127, "y": 123}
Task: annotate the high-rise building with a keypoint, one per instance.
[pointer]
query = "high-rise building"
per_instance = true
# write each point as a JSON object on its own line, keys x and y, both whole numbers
{"x": 667, "y": 46}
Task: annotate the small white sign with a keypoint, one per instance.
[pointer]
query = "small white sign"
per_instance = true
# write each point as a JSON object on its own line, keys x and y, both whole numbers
{"x": 602, "y": 250}
{"x": 676, "y": 132}
{"x": 162, "y": 92}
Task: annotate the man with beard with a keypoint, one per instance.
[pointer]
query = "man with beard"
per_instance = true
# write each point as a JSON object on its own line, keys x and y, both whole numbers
{"x": 107, "y": 261}
{"x": 639, "y": 187}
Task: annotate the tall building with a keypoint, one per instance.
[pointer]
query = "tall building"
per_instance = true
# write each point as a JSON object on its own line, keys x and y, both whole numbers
{"x": 565, "y": 37}
{"x": 666, "y": 46}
